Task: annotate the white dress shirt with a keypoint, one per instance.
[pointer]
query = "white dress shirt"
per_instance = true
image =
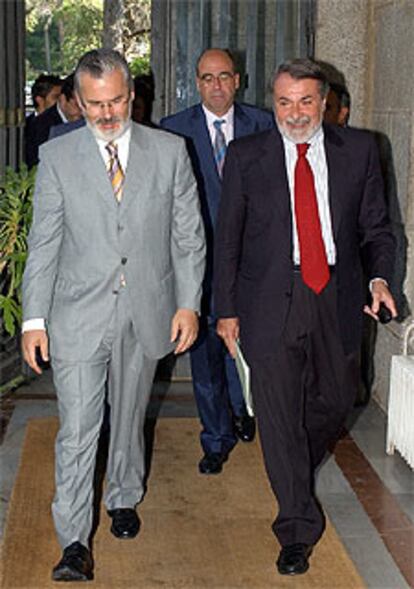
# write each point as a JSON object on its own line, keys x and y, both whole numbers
{"x": 317, "y": 159}
{"x": 227, "y": 127}
{"x": 123, "y": 151}
{"x": 61, "y": 113}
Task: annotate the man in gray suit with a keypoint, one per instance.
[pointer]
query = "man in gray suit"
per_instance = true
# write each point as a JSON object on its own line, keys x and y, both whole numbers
{"x": 113, "y": 279}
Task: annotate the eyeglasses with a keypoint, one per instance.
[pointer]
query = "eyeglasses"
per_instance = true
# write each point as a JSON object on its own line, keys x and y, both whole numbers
{"x": 97, "y": 106}
{"x": 211, "y": 78}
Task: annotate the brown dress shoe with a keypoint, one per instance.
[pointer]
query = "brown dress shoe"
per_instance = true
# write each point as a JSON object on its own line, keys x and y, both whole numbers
{"x": 76, "y": 564}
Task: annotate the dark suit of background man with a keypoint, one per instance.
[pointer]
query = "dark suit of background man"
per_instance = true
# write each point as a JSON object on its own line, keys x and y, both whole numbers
{"x": 66, "y": 109}
{"x": 216, "y": 384}
{"x": 302, "y": 346}
{"x": 114, "y": 274}
{"x": 45, "y": 91}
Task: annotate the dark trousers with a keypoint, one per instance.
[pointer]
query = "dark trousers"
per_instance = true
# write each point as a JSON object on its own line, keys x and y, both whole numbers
{"x": 302, "y": 391}
{"x": 217, "y": 389}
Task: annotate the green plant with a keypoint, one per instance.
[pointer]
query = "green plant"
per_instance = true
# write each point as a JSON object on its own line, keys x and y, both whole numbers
{"x": 140, "y": 66}
{"x": 16, "y": 194}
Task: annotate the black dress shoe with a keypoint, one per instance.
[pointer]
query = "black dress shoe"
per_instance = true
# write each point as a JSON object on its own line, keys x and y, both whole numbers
{"x": 212, "y": 463}
{"x": 75, "y": 565}
{"x": 293, "y": 559}
{"x": 125, "y": 523}
{"x": 245, "y": 428}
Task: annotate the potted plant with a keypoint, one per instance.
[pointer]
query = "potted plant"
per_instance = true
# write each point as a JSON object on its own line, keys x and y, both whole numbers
{"x": 16, "y": 193}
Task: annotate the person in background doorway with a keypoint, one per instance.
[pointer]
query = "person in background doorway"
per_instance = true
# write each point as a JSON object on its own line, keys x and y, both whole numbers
{"x": 208, "y": 128}
{"x": 66, "y": 109}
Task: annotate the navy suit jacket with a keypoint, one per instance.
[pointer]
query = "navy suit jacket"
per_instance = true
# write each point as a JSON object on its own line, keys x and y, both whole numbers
{"x": 63, "y": 128}
{"x": 191, "y": 124}
{"x": 254, "y": 267}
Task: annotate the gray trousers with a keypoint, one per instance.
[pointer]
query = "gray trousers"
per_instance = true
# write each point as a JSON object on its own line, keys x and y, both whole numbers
{"x": 119, "y": 365}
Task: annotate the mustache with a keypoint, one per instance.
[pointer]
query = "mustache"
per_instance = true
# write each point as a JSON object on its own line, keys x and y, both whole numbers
{"x": 108, "y": 120}
{"x": 304, "y": 120}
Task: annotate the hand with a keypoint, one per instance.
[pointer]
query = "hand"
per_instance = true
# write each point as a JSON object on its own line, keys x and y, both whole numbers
{"x": 229, "y": 329}
{"x": 380, "y": 294}
{"x": 36, "y": 338}
{"x": 184, "y": 326}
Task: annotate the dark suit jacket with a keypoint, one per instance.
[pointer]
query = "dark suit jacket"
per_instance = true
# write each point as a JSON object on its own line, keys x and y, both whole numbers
{"x": 38, "y": 132}
{"x": 63, "y": 128}
{"x": 254, "y": 268}
{"x": 191, "y": 124}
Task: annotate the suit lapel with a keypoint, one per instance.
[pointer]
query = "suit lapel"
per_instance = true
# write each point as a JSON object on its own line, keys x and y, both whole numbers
{"x": 202, "y": 138}
{"x": 338, "y": 170}
{"x": 273, "y": 167}
{"x": 140, "y": 171}
{"x": 243, "y": 125}
{"x": 93, "y": 168}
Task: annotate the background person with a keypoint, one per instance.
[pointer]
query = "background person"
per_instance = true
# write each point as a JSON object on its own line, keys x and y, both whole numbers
{"x": 65, "y": 110}
{"x": 209, "y": 127}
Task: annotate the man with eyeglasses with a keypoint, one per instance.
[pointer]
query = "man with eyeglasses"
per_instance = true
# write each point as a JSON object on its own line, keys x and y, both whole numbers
{"x": 113, "y": 278}
{"x": 208, "y": 128}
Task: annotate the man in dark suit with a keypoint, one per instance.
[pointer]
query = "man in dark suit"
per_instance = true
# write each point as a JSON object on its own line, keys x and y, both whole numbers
{"x": 65, "y": 110}
{"x": 301, "y": 215}
{"x": 208, "y": 127}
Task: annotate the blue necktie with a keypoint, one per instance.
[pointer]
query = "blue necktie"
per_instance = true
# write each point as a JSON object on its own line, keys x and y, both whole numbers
{"x": 219, "y": 146}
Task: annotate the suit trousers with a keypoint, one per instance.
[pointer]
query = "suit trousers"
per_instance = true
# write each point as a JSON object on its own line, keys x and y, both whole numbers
{"x": 119, "y": 369}
{"x": 217, "y": 389}
{"x": 302, "y": 392}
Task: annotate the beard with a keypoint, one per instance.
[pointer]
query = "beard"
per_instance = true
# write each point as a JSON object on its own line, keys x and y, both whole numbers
{"x": 292, "y": 128}
{"x": 113, "y": 134}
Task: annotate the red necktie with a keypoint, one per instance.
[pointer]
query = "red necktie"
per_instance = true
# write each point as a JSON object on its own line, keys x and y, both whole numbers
{"x": 313, "y": 261}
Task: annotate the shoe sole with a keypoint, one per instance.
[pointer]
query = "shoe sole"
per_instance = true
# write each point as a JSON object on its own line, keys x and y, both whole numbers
{"x": 67, "y": 574}
{"x": 128, "y": 536}
{"x": 293, "y": 573}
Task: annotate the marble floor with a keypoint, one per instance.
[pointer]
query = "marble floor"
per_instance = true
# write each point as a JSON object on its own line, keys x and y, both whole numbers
{"x": 368, "y": 496}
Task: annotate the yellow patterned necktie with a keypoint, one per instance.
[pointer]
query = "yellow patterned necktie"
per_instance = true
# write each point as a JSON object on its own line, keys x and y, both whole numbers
{"x": 115, "y": 172}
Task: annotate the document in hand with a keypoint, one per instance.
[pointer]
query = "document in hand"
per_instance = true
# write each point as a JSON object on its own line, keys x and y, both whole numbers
{"x": 243, "y": 370}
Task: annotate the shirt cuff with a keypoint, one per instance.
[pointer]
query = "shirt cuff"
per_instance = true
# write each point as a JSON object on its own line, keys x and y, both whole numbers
{"x": 371, "y": 282}
{"x": 32, "y": 324}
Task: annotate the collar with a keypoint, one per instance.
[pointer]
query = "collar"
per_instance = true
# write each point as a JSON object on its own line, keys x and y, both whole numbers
{"x": 122, "y": 140}
{"x": 61, "y": 113}
{"x": 316, "y": 139}
{"x": 228, "y": 117}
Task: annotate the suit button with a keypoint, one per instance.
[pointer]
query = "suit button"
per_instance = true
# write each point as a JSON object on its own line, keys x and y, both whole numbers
{"x": 115, "y": 292}
{"x": 124, "y": 261}
{"x": 120, "y": 227}
{"x": 288, "y": 295}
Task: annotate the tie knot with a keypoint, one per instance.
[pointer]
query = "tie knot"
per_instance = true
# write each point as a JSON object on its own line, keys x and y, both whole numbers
{"x": 112, "y": 149}
{"x": 302, "y": 149}
{"x": 217, "y": 124}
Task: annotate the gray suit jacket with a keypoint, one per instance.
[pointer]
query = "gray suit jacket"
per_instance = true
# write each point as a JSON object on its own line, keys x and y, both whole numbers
{"x": 82, "y": 241}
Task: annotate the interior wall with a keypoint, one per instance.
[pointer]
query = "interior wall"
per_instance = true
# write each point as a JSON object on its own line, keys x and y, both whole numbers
{"x": 370, "y": 41}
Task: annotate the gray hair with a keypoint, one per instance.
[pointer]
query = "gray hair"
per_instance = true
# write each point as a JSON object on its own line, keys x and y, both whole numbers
{"x": 98, "y": 62}
{"x": 303, "y": 68}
